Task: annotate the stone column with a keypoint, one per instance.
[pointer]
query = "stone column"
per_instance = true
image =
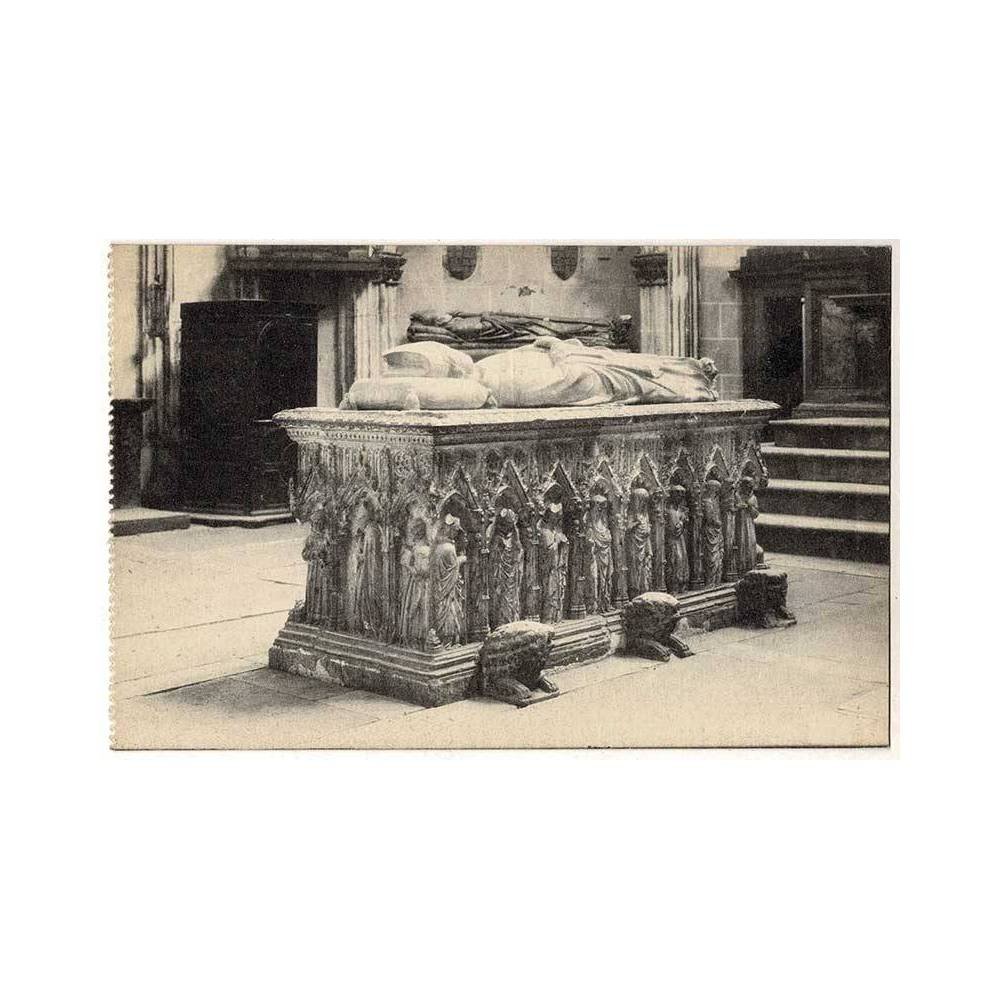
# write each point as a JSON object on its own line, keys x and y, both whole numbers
{"x": 478, "y": 616}
{"x": 373, "y": 307}
{"x": 656, "y": 499}
{"x": 727, "y": 502}
{"x": 668, "y": 300}
{"x": 577, "y": 566}
{"x": 618, "y": 550}
{"x": 529, "y": 533}
{"x": 696, "y": 571}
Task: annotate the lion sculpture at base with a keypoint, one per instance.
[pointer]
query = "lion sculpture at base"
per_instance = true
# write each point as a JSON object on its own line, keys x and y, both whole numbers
{"x": 511, "y": 661}
{"x": 649, "y": 620}
{"x": 760, "y": 599}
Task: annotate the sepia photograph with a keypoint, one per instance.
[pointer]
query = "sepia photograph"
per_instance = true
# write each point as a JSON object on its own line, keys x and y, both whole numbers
{"x": 501, "y": 495}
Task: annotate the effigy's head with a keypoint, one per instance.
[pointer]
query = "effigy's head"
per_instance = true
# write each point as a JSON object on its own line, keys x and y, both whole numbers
{"x": 747, "y": 485}
{"x": 712, "y": 486}
{"x": 640, "y": 498}
{"x": 553, "y": 513}
{"x": 708, "y": 367}
{"x": 677, "y": 493}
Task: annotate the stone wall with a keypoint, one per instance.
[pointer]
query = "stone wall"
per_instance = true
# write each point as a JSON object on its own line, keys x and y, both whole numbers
{"x": 521, "y": 279}
{"x": 720, "y": 318}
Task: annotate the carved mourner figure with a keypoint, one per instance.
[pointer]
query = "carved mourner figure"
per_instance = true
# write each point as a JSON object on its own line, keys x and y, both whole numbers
{"x": 600, "y": 568}
{"x": 713, "y": 544}
{"x": 639, "y": 545}
{"x": 675, "y": 523}
{"x": 415, "y": 595}
{"x": 319, "y": 556}
{"x": 746, "y": 530}
{"x": 506, "y": 569}
{"x": 446, "y": 584}
{"x": 370, "y": 598}
{"x": 552, "y": 563}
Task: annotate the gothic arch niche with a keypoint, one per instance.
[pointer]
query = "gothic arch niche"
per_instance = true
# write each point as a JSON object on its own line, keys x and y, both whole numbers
{"x": 717, "y": 527}
{"x": 643, "y": 540}
{"x": 682, "y": 525}
{"x": 412, "y": 527}
{"x": 606, "y": 572}
{"x": 751, "y": 476}
{"x": 459, "y": 582}
{"x": 510, "y": 494}
{"x": 366, "y": 592}
{"x": 558, "y": 548}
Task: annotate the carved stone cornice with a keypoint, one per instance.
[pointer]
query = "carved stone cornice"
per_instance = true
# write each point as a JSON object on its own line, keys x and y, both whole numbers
{"x": 378, "y": 265}
{"x": 652, "y": 268}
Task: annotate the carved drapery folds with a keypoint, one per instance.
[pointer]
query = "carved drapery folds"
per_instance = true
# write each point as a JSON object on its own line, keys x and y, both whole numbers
{"x": 434, "y": 548}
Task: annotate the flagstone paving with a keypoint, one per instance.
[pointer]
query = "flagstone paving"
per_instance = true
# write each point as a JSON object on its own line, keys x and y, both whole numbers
{"x": 196, "y": 610}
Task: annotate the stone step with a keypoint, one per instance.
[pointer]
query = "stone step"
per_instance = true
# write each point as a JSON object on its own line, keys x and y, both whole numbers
{"x": 831, "y": 465}
{"x": 832, "y": 537}
{"x": 815, "y": 498}
{"x": 857, "y": 433}
{"x": 809, "y": 410}
{"x": 143, "y": 520}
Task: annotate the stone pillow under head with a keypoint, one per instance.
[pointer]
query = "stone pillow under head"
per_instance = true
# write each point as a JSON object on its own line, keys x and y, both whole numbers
{"x": 417, "y": 392}
{"x": 428, "y": 359}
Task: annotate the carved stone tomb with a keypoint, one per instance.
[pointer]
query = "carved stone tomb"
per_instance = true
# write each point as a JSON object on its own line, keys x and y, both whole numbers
{"x": 429, "y": 529}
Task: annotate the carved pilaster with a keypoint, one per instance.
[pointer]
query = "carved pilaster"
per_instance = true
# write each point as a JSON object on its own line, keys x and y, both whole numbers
{"x": 695, "y": 515}
{"x": 728, "y": 504}
{"x": 532, "y": 589}
{"x": 668, "y": 300}
{"x": 479, "y": 590}
{"x": 577, "y": 574}
{"x": 618, "y": 554}
{"x": 659, "y": 543}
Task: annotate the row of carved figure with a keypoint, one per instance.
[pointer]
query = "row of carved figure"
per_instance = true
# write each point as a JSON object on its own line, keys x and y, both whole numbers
{"x": 438, "y": 582}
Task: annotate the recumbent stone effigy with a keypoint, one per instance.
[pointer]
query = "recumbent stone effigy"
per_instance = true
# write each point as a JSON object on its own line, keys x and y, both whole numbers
{"x": 553, "y": 482}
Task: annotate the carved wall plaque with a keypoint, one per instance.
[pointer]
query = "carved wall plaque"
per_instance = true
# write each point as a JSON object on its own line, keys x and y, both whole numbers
{"x": 565, "y": 261}
{"x": 460, "y": 262}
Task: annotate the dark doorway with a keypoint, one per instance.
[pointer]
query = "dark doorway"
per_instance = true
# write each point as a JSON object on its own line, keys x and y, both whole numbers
{"x": 780, "y": 375}
{"x": 241, "y": 363}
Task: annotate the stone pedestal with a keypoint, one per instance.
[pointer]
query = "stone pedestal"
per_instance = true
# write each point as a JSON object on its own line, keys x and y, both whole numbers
{"x": 406, "y": 544}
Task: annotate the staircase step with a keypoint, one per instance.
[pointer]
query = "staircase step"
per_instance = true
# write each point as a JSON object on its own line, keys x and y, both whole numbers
{"x": 809, "y": 410}
{"x": 858, "y": 433}
{"x": 834, "y": 537}
{"x": 815, "y": 498}
{"x": 831, "y": 465}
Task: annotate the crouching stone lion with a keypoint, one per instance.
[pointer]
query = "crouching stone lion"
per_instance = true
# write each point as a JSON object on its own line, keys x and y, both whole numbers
{"x": 760, "y": 599}
{"x": 511, "y": 662}
{"x": 650, "y": 620}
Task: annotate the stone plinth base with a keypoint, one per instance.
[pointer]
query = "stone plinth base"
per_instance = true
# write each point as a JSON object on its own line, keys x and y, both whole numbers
{"x": 433, "y": 679}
